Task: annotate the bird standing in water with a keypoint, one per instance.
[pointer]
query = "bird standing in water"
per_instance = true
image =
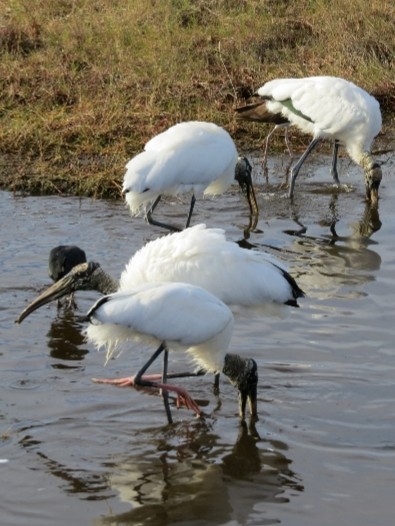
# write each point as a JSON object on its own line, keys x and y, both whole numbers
{"x": 326, "y": 108}
{"x": 188, "y": 157}
{"x": 177, "y": 317}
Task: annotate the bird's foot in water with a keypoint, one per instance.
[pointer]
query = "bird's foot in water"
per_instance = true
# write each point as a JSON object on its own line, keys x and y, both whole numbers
{"x": 183, "y": 399}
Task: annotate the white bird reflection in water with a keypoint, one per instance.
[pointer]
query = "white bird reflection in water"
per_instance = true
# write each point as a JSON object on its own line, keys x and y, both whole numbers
{"x": 337, "y": 262}
{"x": 204, "y": 481}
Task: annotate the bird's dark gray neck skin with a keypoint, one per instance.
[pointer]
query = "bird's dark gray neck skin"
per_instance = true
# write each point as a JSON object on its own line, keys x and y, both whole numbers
{"x": 102, "y": 282}
{"x": 243, "y": 374}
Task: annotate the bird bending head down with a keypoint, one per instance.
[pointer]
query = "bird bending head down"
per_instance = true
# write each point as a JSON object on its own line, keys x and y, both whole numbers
{"x": 325, "y": 107}
{"x": 177, "y": 317}
{"x": 197, "y": 157}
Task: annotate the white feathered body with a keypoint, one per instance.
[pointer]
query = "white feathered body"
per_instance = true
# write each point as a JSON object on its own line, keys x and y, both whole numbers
{"x": 185, "y": 317}
{"x": 190, "y": 156}
{"x": 203, "y": 257}
{"x": 329, "y": 107}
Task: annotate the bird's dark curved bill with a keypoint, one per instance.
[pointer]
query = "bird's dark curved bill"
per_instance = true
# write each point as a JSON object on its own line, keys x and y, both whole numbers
{"x": 57, "y": 290}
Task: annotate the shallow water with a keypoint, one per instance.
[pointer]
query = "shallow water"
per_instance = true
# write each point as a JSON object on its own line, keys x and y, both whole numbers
{"x": 323, "y": 450}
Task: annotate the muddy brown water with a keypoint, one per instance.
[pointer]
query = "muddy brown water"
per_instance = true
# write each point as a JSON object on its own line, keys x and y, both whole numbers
{"x": 323, "y": 450}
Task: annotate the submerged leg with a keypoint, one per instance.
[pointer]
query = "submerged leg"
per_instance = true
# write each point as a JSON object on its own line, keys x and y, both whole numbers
{"x": 334, "y": 173}
{"x": 298, "y": 165}
{"x": 154, "y": 222}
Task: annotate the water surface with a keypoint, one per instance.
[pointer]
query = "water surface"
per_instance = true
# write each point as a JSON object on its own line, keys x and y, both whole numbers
{"x": 323, "y": 450}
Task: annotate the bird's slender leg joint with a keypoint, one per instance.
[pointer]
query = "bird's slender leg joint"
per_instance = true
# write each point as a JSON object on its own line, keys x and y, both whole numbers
{"x": 334, "y": 172}
{"x": 298, "y": 165}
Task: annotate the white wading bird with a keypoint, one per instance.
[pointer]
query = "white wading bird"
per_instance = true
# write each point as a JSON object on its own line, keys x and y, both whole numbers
{"x": 326, "y": 108}
{"x": 177, "y": 317}
{"x": 188, "y": 157}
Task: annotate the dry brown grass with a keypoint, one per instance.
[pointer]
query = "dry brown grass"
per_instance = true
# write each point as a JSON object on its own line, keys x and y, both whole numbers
{"x": 83, "y": 85}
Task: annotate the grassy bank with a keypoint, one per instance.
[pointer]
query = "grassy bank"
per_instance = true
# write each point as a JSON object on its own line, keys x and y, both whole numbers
{"x": 84, "y": 84}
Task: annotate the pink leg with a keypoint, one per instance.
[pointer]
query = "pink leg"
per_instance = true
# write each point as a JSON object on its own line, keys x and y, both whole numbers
{"x": 183, "y": 397}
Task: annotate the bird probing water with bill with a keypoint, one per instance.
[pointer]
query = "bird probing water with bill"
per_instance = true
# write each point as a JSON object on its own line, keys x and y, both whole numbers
{"x": 328, "y": 108}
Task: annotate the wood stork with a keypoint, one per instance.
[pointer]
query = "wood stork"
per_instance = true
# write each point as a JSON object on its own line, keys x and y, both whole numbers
{"x": 326, "y": 108}
{"x": 188, "y": 157}
{"x": 198, "y": 255}
{"x": 61, "y": 260}
{"x": 177, "y": 317}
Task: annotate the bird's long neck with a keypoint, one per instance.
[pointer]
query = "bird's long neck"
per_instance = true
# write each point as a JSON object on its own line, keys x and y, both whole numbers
{"x": 234, "y": 368}
{"x": 103, "y": 282}
{"x": 360, "y": 155}
{"x": 365, "y": 160}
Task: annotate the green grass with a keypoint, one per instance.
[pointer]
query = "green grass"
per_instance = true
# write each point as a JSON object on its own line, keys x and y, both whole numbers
{"x": 83, "y": 85}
